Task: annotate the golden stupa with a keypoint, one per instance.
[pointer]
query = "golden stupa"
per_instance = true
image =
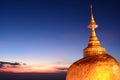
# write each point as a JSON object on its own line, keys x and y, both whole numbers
{"x": 96, "y": 63}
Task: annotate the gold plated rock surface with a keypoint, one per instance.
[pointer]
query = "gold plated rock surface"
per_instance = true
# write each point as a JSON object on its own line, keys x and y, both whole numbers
{"x": 97, "y": 67}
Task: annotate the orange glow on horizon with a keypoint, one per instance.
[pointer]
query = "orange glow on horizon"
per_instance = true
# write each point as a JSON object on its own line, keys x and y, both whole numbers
{"x": 22, "y": 69}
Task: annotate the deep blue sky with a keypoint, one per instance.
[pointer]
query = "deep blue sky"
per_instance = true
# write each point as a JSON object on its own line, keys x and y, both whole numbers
{"x": 54, "y": 32}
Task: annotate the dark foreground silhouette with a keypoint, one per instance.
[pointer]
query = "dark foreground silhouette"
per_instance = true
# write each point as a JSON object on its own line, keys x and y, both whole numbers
{"x": 32, "y": 76}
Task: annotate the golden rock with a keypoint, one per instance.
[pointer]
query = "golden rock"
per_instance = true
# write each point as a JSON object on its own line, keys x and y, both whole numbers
{"x": 97, "y": 67}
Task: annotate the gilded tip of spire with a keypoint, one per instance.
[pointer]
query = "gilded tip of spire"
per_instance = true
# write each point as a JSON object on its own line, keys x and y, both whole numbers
{"x": 91, "y": 10}
{"x": 92, "y": 24}
{"x": 91, "y": 6}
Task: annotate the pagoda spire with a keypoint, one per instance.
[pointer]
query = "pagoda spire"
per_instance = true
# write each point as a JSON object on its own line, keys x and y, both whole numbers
{"x": 94, "y": 47}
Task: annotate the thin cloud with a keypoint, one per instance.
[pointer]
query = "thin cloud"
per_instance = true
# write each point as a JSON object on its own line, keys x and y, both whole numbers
{"x": 61, "y": 69}
{"x": 10, "y": 64}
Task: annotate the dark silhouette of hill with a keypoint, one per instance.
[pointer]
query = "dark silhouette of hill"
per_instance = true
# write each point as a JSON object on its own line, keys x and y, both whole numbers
{"x": 32, "y": 76}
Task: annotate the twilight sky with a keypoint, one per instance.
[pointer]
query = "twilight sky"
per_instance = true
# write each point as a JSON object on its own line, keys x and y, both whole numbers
{"x": 49, "y": 35}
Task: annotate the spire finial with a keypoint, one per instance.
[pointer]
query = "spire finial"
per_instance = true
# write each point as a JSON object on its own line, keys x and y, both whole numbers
{"x": 91, "y": 10}
{"x": 92, "y": 24}
{"x": 94, "y": 47}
